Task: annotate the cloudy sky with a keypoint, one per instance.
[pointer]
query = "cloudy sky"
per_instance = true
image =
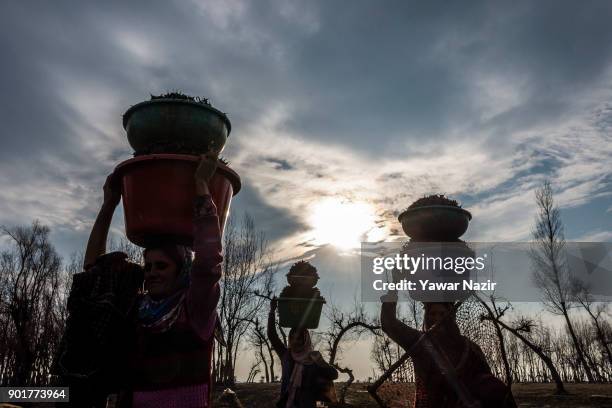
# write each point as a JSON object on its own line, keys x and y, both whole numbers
{"x": 342, "y": 112}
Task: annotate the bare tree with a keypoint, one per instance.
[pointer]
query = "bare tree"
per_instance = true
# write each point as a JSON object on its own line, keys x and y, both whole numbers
{"x": 32, "y": 282}
{"x": 254, "y": 371}
{"x": 247, "y": 271}
{"x": 495, "y": 313}
{"x": 551, "y": 274}
{"x": 596, "y": 312}
{"x": 521, "y": 329}
{"x": 385, "y": 353}
{"x": 259, "y": 340}
{"x": 347, "y": 326}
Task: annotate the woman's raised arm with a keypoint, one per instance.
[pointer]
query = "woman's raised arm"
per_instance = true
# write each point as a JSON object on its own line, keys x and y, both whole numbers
{"x": 276, "y": 342}
{"x": 399, "y": 332}
{"x": 204, "y": 291}
{"x": 96, "y": 245}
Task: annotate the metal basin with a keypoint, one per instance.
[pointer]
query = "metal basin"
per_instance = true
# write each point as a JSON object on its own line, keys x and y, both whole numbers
{"x": 435, "y": 222}
{"x": 175, "y": 124}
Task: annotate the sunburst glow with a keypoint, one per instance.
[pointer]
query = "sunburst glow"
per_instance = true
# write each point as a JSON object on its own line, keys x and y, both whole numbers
{"x": 343, "y": 224}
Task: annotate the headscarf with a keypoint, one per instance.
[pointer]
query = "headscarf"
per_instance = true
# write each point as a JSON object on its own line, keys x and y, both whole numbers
{"x": 300, "y": 359}
{"x": 158, "y": 316}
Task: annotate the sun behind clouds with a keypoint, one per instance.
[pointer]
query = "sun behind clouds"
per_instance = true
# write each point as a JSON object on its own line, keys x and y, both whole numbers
{"x": 343, "y": 223}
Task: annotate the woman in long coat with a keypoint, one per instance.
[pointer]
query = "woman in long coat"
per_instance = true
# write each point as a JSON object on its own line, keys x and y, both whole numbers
{"x": 306, "y": 376}
{"x": 143, "y": 335}
{"x": 450, "y": 370}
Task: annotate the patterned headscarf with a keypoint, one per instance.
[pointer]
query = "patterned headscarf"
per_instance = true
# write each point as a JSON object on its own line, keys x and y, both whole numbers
{"x": 158, "y": 316}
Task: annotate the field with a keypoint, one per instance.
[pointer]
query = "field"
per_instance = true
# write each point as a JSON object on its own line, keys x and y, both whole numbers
{"x": 526, "y": 395}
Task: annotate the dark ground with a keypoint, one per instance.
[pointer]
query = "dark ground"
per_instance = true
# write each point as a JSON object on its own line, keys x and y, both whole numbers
{"x": 526, "y": 395}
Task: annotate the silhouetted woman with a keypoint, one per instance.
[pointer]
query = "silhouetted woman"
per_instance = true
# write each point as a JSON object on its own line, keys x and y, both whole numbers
{"x": 145, "y": 334}
{"x": 305, "y": 375}
{"x": 450, "y": 370}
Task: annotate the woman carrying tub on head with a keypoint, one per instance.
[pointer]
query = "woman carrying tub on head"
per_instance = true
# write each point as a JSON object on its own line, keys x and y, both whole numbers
{"x": 450, "y": 370}
{"x": 305, "y": 375}
{"x": 151, "y": 347}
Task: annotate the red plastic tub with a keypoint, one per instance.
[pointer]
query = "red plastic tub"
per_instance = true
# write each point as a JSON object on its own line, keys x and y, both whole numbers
{"x": 158, "y": 192}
